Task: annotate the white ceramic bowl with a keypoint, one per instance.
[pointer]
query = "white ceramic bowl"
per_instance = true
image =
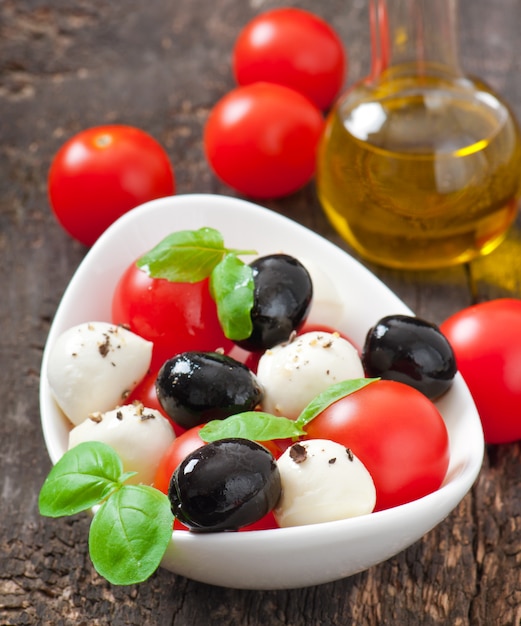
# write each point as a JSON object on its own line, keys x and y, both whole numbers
{"x": 288, "y": 557}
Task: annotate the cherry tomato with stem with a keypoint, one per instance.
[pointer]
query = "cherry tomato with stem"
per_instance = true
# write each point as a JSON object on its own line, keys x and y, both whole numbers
{"x": 101, "y": 173}
{"x": 175, "y": 316}
{"x": 292, "y": 47}
{"x": 262, "y": 139}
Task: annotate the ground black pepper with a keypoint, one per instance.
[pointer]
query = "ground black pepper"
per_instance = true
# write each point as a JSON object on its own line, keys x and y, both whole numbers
{"x": 298, "y": 453}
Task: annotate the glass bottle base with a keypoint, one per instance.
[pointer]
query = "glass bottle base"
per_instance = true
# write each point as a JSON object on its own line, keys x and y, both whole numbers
{"x": 420, "y": 253}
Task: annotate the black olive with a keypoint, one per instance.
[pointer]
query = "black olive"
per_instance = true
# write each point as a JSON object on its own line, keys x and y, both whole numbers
{"x": 194, "y": 387}
{"x": 225, "y": 485}
{"x": 283, "y": 292}
{"x": 412, "y": 351}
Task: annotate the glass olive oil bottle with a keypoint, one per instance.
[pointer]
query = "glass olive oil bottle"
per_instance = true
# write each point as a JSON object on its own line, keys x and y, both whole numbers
{"x": 419, "y": 166}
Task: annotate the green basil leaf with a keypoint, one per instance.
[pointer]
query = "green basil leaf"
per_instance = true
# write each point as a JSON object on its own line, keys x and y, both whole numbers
{"x": 330, "y": 395}
{"x": 185, "y": 255}
{"x": 231, "y": 285}
{"x": 254, "y": 425}
{"x": 124, "y": 477}
{"x": 129, "y": 534}
{"x": 83, "y": 477}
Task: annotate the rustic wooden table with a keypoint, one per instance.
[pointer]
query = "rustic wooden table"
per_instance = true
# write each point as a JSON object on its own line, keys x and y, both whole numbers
{"x": 161, "y": 65}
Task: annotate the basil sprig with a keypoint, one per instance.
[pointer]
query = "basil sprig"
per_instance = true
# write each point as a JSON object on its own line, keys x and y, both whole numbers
{"x": 260, "y": 426}
{"x": 193, "y": 255}
{"x": 132, "y": 526}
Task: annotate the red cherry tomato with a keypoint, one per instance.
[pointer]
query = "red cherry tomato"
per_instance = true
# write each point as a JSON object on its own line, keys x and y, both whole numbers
{"x": 295, "y": 48}
{"x": 397, "y": 432}
{"x": 486, "y": 339}
{"x": 262, "y": 140}
{"x": 265, "y": 523}
{"x": 145, "y": 393}
{"x": 182, "y": 446}
{"x": 176, "y": 316}
{"x": 103, "y": 172}
{"x": 310, "y": 327}
{"x": 179, "y": 449}
{"x": 250, "y": 359}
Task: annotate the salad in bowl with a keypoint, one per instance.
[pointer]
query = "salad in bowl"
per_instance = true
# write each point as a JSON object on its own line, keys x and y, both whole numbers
{"x": 225, "y": 390}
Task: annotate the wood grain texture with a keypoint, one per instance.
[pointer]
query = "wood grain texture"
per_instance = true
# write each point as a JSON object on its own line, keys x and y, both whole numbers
{"x": 160, "y": 65}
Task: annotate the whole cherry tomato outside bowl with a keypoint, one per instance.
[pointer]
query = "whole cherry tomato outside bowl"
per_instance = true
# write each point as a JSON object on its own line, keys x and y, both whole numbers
{"x": 292, "y": 47}
{"x": 486, "y": 339}
{"x": 103, "y": 172}
{"x": 262, "y": 140}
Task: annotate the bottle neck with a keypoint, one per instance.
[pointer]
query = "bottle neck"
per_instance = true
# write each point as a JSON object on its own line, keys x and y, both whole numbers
{"x": 414, "y": 37}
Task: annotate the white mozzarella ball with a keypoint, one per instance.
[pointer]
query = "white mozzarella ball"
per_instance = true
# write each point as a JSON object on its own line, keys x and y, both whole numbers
{"x": 94, "y": 366}
{"x": 293, "y": 374}
{"x": 322, "y": 481}
{"x": 139, "y": 435}
{"x": 327, "y": 308}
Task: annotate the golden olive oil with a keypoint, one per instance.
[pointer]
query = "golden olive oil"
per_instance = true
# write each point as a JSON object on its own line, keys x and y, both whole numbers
{"x": 420, "y": 175}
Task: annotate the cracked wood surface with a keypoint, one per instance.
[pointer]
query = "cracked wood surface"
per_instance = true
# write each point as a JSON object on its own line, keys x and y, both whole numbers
{"x": 161, "y": 65}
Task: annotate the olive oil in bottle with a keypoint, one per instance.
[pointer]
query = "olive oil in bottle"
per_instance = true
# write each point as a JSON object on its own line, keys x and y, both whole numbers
{"x": 420, "y": 169}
